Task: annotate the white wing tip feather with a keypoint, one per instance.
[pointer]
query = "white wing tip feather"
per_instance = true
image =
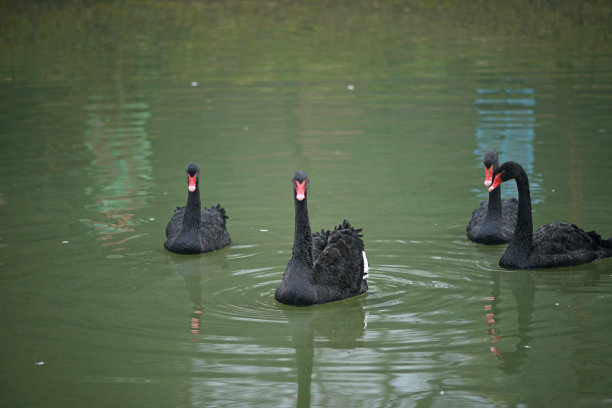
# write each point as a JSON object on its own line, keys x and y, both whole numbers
{"x": 366, "y": 266}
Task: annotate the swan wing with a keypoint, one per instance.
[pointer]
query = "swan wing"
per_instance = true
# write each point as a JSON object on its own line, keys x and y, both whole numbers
{"x": 319, "y": 242}
{"x": 213, "y": 227}
{"x": 478, "y": 217}
{"x": 560, "y": 238}
{"x": 340, "y": 263}
{"x": 174, "y": 225}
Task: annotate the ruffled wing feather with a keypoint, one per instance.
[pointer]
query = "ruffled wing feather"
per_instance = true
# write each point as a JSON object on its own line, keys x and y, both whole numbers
{"x": 339, "y": 265}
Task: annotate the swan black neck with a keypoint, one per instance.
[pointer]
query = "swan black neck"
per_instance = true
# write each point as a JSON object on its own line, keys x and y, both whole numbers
{"x": 302, "y": 240}
{"x": 193, "y": 209}
{"x": 522, "y": 241}
{"x": 494, "y": 208}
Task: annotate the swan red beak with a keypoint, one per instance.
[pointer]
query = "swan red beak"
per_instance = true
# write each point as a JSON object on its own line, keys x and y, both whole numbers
{"x": 192, "y": 182}
{"x": 488, "y": 175}
{"x": 496, "y": 182}
{"x": 300, "y": 190}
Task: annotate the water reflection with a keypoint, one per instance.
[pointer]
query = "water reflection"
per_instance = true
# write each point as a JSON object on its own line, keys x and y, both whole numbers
{"x": 524, "y": 287}
{"x": 191, "y": 268}
{"x": 341, "y": 325}
{"x": 506, "y": 123}
{"x": 523, "y": 292}
{"x": 121, "y": 174}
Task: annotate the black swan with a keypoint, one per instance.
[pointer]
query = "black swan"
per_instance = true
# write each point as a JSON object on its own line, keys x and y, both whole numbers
{"x": 326, "y": 266}
{"x": 191, "y": 231}
{"x": 552, "y": 245}
{"x": 493, "y": 222}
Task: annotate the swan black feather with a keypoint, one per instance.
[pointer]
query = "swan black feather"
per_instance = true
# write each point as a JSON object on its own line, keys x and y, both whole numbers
{"x": 325, "y": 266}
{"x": 552, "y": 245}
{"x": 493, "y": 222}
{"x": 191, "y": 231}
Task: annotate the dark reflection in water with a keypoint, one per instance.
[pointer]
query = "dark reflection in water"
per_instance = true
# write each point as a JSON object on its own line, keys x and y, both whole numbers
{"x": 524, "y": 287}
{"x": 191, "y": 268}
{"x": 506, "y": 123}
{"x": 341, "y": 327}
{"x": 523, "y": 291}
{"x": 121, "y": 174}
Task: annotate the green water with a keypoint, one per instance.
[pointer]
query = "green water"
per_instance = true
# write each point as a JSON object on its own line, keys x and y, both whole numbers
{"x": 389, "y": 107}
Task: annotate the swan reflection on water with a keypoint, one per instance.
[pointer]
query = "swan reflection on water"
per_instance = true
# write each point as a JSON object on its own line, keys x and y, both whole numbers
{"x": 339, "y": 326}
{"x": 191, "y": 269}
{"x": 523, "y": 287}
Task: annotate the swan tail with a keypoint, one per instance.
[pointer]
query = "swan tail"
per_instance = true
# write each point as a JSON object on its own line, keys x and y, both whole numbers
{"x": 604, "y": 246}
{"x": 607, "y": 243}
{"x": 597, "y": 240}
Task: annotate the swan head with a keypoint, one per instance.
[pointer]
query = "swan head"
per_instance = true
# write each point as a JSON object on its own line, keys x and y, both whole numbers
{"x": 507, "y": 171}
{"x": 491, "y": 162}
{"x": 193, "y": 176}
{"x": 300, "y": 184}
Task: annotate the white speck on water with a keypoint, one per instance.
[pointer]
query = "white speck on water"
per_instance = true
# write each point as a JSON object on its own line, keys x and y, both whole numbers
{"x": 556, "y": 303}
{"x": 194, "y": 83}
{"x": 151, "y": 219}
{"x": 436, "y": 257}
{"x": 246, "y": 128}
{"x": 553, "y": 190}
{"x": 351, "y": 87}
{"x": 442, "y": 392}
{"x": 39, "y": 363}
{"x": 263, "y": 230}
{"x": 65, "y": 242}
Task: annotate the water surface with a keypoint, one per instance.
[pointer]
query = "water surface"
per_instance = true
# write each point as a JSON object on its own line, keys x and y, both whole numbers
{"x": 389, "y": 108}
